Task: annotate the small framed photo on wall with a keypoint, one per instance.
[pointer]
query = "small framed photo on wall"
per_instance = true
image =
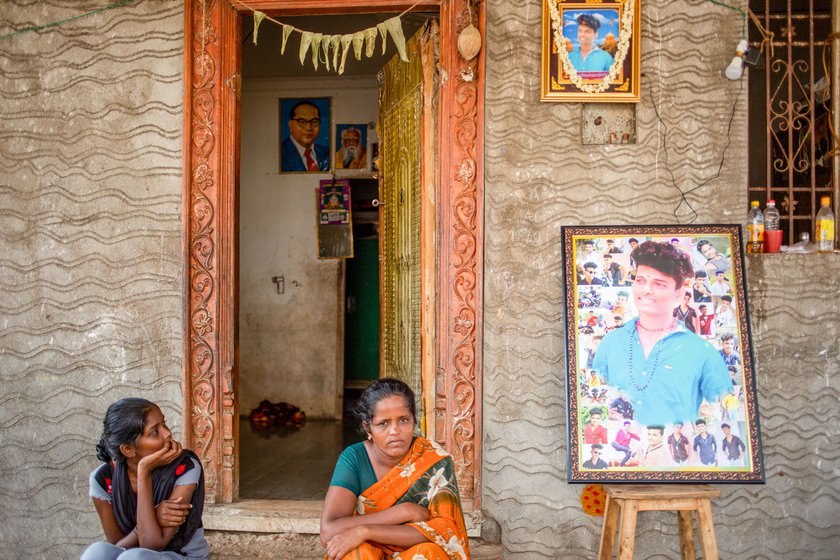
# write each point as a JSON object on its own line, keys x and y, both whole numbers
{"x": 660, "y": 380}
{"x": 351, "y": 147}
{"x": 591, "y": 52}
{"x": 305, "y": 125}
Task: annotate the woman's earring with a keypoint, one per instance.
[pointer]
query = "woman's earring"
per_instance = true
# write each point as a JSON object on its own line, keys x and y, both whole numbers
{"x": 370, "y": 437}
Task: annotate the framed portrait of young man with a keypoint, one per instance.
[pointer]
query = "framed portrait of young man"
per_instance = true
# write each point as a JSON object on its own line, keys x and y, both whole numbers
{"x": 591, "y": 51}
{"x": 660, "y": 381}
{"x": 305, "y": 142}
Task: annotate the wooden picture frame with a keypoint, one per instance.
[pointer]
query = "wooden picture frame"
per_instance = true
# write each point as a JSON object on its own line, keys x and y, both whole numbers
{"x": 316, "y": 134}
{"x": 351, "y": 154}
{"x": 660, "y": 381}
{"x": 591, "y": 52}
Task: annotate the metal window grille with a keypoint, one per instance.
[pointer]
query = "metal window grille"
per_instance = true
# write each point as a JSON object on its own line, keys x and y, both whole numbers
{"x": 790, "y": 143}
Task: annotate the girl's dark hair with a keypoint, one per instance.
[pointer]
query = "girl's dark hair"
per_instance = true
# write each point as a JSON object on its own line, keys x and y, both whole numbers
{"x": 123, "y": 424}
{"x": 378, "y": 390}
{"x": 665, "y": 258}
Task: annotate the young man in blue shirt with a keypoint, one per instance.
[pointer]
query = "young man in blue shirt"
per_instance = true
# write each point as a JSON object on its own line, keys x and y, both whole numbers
{"x": 587, "y": 57}
{"x": 666, "y": 370}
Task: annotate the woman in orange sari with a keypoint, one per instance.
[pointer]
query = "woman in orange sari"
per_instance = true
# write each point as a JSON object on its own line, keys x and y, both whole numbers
{"x": 393, "y": 496}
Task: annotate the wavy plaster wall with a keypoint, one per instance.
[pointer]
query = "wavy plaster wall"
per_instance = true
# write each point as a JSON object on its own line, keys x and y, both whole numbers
{"x": 538, "y": 178}
{"x": 90, "y": 250}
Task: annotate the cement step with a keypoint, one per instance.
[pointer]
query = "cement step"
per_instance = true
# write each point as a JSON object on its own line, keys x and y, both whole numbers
{"x": 230, "y": 545}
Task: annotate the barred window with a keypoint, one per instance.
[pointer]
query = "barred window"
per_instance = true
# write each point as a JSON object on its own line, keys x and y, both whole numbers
{"x": 790, "y": 140}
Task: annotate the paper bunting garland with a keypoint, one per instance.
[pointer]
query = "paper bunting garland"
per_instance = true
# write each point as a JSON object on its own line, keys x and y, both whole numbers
{"x": 316, "y": 44}
{"x": 345, "y": 47}
{"x": 370, "y": 41}
{"x": 305, "y": 41}
{"x": 258, "y": 17}
{"x": 335, "y": 41}
{"x": 327, "y": 48}
{"x": 287, "y": 30}
{"x": 358, "y": 39}
{"x": 394, "y": 27}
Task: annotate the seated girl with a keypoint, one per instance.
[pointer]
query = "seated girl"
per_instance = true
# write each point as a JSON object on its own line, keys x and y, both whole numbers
{"x": 393, "y": 496}
{"x": 149, "y": 493}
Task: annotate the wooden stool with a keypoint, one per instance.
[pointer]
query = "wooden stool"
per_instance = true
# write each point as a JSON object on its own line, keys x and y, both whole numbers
{"x": 628, "y": 500}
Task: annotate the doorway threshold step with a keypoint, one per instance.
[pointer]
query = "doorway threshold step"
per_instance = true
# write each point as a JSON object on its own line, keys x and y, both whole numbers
{"x": 283, "y": 516}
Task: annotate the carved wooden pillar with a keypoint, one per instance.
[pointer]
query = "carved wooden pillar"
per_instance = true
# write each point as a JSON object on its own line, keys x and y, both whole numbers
{"x": 211, "y": 146}
{"x": 461, "y": 248}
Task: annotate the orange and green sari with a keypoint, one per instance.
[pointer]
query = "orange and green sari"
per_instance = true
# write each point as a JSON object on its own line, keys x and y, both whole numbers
{"x": 425, "y": 476}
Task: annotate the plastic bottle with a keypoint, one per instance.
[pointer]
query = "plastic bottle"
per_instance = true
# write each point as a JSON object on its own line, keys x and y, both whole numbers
{"x": 755, "y": 229}
{"x": 824, "y": 236}
{"x": 771, "y": 216}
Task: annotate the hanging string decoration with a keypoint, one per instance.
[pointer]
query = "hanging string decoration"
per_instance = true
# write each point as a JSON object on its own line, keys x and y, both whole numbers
{"x": 332, "y": 50}
{"x": 602, "y": 84}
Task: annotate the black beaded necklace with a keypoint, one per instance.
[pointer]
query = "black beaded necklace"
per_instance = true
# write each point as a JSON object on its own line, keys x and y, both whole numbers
{"x": 655, "y": 358}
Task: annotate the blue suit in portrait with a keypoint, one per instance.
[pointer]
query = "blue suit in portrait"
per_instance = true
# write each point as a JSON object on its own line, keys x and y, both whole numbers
{"x": 291, "y": 160}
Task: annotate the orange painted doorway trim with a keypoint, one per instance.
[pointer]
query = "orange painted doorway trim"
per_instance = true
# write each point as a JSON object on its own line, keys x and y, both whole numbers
{"x": 212, "y": 84}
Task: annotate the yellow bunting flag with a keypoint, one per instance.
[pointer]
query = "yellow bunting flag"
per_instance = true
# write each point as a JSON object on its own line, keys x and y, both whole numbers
{"x": 358, "y": 41}
{"x": 325, "y": 49}
{"x": 305, "y": 41}
{"x": 316, "y": 46}
{"x": 383, "y": 31}
{"x": 258, "y": 17}
{"x": 287, "y": 30}
{"x": 345, "y": 48}
{"x": 335, "y": 40}
{"x": 394, "y": 27}
{"x": 370, "y": 41}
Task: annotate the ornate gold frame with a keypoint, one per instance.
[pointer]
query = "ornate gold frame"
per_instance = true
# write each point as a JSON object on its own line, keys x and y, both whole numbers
{"x": 626, "y": 91}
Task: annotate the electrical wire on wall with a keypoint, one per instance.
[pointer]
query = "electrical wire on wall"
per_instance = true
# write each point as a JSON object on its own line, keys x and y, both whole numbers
{"x": 664, "y": 138}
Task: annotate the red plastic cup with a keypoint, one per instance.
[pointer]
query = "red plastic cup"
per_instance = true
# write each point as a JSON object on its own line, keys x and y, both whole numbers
{"x": 772, "y": 240}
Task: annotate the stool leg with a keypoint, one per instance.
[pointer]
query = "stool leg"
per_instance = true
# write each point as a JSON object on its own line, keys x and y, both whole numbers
{"x": 706, "y": 528}
{"x": 627, "y": 534}
{"x": 686, "y": 536}
{"x": 608, "y": 530}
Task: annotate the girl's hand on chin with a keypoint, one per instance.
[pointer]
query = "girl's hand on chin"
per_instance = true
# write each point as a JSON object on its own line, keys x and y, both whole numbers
{"x": 165, "y": 455}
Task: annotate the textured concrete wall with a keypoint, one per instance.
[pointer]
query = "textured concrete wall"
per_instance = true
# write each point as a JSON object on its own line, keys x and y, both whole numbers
{"x": 90, "y": 250}
{"x": 539, "y": 178}
{"x": 90, "y": 274}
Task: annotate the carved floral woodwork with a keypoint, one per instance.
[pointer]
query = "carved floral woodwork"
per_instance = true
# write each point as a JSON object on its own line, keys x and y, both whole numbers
{"x": 461, "y": 248}
{"x": 212, "y": 66}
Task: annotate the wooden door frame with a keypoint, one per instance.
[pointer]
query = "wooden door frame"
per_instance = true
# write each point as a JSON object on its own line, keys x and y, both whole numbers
{"x": 212, "y": 85}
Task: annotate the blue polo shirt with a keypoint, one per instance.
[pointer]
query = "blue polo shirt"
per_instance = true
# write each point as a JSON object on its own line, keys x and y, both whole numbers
{"x": 689, "y": 370}
{"x": 596, "y": 61}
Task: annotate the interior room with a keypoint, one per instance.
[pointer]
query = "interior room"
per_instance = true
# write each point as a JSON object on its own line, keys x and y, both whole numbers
{"x": 309, "y": 323}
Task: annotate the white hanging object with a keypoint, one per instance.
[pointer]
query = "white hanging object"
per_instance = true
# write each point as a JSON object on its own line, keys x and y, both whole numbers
{"x": 258, "y": 17}
{"x": 370, "y": 41}
{"x": 394, "y": 27}
{"x": 736, "y": 68}
{"x": 325, "y": 48}
{"x": 358, "y": 39}
{"x": 316, "y": 47}
{"x": 383, "y": 32}
{"x": 305, "y": 41}
{"x": 335, "y": 41}
{"x": 346, "y": 40}
{"x": 469, "y": 42}
{"x": 287, "y": 30}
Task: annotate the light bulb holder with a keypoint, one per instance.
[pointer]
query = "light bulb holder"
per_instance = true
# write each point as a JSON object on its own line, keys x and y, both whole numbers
{"x": 736, "y": 68}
